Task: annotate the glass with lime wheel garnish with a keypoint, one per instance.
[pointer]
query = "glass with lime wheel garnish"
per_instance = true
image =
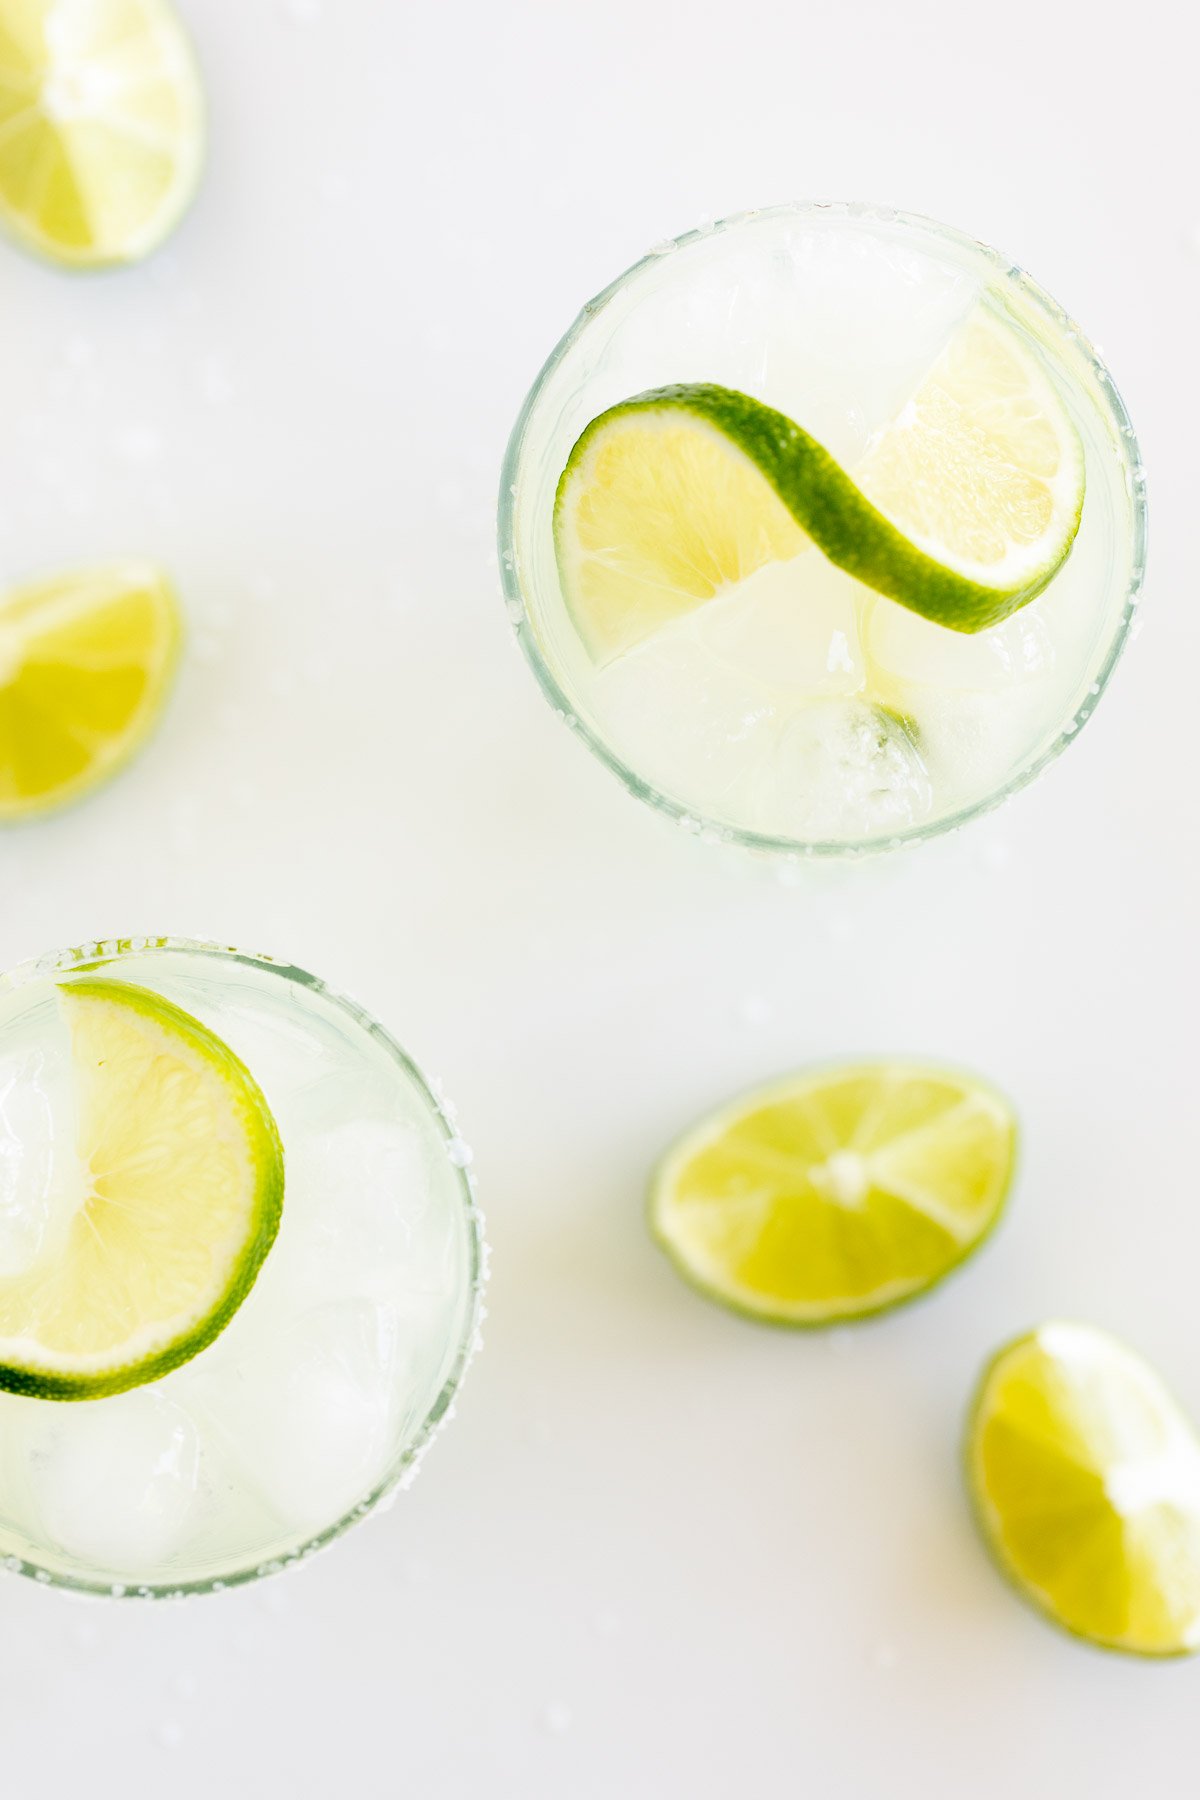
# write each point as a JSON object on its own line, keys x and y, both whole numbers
{"x": 824, "y": 528}
{"x": 239, "y": 1266}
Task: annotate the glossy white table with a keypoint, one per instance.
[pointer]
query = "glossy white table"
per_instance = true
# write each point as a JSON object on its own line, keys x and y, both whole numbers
{"x": 660, "y": 1552}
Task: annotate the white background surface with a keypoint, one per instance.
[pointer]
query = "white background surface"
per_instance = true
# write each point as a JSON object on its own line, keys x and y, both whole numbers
{"x": 660, "y": 1552}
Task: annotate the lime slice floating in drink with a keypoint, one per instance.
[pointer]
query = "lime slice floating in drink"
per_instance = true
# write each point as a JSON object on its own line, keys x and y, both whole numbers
{"x": 182, "y": 1195}
{"x": 963, "y": 508}
{"x": 1085, "y": 1476}
{"x": 86, "y": 661}
{"x": 101, "y": 127}
{"x": 837, "y": 1193}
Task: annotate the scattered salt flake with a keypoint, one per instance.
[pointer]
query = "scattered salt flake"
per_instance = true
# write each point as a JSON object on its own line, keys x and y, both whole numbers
{"x": 606, "y": 1622}
{"x": 883, "y": 1655}
{"x": 186, "y": 1686}
{"x": 556, "y": 1718}
{"x": 169, "y": 1734}
{"x": 755, "y": 1009}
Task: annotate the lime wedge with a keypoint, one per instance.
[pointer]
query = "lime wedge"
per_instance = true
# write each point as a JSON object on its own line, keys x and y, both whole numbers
{"x": 964, "y": 509}
{"x": 101, "y": 127}
{"x": 86, "y": 661}
{"x": 182, "y": 1195}
{"x": 837, "y": 1193}
{"x": 1085, "y": 1476}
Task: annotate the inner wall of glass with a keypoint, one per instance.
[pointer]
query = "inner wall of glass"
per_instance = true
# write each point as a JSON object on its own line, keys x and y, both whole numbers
{"x": 716, "y": 308}
{"x": 309, "y": 1402}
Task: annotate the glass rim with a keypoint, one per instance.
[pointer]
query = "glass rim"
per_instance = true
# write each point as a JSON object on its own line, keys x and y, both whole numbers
{"x": 404, "y": 1466}
{"x": 691, "y": 819}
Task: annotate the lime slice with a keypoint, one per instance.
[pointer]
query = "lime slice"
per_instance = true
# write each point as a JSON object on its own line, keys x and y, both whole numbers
{"x": 101, "y": 127}
{"x": 836, "y": 1193}
{"x": 86, "y": 660}
{"x": 982, "y": 471}
{"x": 1085, "y": 1476}
{"x": 966, "y": 505}
{"x": 183, "y": 1189}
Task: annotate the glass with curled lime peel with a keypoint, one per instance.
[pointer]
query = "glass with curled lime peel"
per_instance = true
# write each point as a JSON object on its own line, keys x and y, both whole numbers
{"x": 824, "y": 528}
{"x": 239, "y": 1266}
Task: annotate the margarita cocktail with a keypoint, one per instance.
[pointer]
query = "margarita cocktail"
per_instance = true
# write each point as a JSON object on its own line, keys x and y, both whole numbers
{"x": 239, "y": 1266}
{"x": 824, "y": 528}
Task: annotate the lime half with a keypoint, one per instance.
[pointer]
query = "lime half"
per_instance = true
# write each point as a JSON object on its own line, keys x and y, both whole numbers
{"x": 86, "y": 662}
{"x": 183, "y": 1190}
{"x": 964, "y": 508}
{"x": 837, "y": 1193}
{"x": 101, "y": 126}
{"x": 1085, "y": 1476}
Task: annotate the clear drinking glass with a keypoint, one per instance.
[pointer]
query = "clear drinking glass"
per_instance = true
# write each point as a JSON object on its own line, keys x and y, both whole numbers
{"x": 318, "y": 1397}
{"x": 734, "y": 726}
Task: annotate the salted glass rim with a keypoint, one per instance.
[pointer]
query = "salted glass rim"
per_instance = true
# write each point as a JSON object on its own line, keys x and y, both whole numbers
{"x": 692, "y": 818}
{"x": 103, "y": 951}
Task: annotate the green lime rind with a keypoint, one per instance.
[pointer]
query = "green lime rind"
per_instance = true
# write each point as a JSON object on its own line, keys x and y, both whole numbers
{"x": 981, "y": 1512}
{"x": 867, "y": 1306}
{"x": 265, "y": 1213}
{"x": 828, "y": 506}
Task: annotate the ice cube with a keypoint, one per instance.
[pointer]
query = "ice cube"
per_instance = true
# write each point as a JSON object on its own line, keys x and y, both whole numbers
{"x": 791, "y": 625}
{"x": 972, "y": 742}
{"x": 916, "y": 650}
{"x": 833, "y": 369}
{"x": 790, "y": 311}
{"x": 359, "y": 1221}
{"x": 114, "y": 1482}
{"x": 842, "y": 769}
{"x": 41, "y": 1179}
{"x": 682, "y": 718}
{"x": 311, "y": 1421}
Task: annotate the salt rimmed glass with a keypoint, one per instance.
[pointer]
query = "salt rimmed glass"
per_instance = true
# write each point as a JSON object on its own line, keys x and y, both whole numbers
{"x": 124, "y": 957}
{"x": 568, "y": 393}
